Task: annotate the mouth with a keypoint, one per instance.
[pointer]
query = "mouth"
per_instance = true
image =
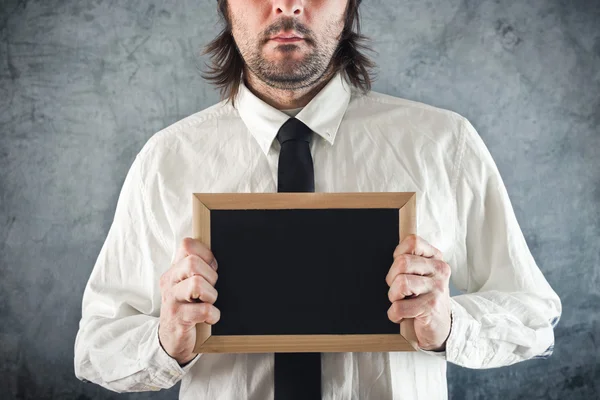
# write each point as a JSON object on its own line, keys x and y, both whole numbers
{"x": 287, "y": 38}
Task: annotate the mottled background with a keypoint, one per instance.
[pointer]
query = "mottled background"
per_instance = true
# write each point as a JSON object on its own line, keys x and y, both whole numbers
{"x": 85, "y": 83}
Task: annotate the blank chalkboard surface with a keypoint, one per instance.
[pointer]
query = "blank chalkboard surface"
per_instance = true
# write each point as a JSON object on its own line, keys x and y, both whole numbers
{"x": 303, "y": 271}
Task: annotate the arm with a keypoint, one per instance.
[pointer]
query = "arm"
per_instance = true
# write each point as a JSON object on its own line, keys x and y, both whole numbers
{"x": 117, "y": 344}
{"x": 509, "y": 310}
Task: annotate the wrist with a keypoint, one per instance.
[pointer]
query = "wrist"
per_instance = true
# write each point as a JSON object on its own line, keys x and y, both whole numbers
{"x": 442, "y": 347}
{"x": 186, "y": 361}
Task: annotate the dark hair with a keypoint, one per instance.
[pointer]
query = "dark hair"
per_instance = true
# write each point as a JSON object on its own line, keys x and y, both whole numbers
{"x": 227, "y": 64}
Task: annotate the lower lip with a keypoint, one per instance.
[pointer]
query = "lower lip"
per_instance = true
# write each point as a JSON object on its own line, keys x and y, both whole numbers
{"x": 287, "y": 40}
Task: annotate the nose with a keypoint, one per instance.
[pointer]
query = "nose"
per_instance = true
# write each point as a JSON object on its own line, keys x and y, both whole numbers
{"x": 288, "y": 7}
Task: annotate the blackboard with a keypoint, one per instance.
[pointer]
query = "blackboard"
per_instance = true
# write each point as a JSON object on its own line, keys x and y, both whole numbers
{"x": 303, "y": 271}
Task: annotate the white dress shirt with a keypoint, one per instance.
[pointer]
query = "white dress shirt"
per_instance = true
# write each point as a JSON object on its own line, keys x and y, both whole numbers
{"x": 363, "y": 143}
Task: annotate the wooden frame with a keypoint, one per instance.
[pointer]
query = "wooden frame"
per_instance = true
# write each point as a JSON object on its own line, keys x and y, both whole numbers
{"x": 203, "y": 203}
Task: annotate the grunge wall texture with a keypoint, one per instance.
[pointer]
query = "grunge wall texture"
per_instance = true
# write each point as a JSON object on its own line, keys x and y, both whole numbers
{"x": 84, "y": 84}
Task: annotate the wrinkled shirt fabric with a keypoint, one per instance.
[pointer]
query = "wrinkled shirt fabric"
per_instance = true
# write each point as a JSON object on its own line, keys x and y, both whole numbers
{"x": 362, "y": 143}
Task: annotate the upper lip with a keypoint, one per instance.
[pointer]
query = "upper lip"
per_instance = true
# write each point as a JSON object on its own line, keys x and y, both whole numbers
{"x": 282, "y": 35}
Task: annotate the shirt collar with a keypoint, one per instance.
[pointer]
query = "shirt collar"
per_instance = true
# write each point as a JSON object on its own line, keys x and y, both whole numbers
{"x": 323, "y": 114}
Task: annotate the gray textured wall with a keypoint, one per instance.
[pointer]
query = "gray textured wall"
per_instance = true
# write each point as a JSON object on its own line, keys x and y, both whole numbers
{"x": 85, "y": 83}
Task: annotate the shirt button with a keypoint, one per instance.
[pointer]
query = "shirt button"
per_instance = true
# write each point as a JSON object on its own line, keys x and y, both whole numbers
{"x": 154, "y": 388}
{"x": 173, "y": 373}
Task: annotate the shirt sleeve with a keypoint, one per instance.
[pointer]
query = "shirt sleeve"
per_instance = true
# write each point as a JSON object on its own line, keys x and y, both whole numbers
{"x": 508, "y": 311}
{"x": 117, "y": 344}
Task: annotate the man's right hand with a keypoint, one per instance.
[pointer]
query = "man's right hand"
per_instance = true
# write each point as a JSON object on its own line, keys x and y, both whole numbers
{"x": 188, "y": 294}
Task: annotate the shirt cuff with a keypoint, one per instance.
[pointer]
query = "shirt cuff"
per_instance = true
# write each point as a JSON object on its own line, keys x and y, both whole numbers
{"x": 168, "y": 370}
{"x": 463, "y": 339}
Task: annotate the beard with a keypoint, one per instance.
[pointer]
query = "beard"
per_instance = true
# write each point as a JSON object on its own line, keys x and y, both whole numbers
{"x": 288, "y": 72}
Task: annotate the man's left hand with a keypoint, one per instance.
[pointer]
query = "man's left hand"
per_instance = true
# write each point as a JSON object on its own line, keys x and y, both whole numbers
{"x": 419, "y": 288}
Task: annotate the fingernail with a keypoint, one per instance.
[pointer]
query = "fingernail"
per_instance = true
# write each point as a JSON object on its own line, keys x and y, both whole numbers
{"x": 214, "y": 264}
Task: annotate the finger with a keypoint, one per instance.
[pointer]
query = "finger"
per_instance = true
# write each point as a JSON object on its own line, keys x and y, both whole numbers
{"x": 411, "y": 308}
{"x": 416, "y": 245}
{"x": 193, "y": 246}
{"x": 195, "y": 313}
{"x": 405, "y": 285}
{"x": 190, "y": 266}
{"x": 415, "y": 265}
{"x": 193, "y": 289}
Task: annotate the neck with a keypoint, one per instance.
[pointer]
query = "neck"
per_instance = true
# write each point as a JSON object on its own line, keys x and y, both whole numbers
{"x": 284, "y": 99}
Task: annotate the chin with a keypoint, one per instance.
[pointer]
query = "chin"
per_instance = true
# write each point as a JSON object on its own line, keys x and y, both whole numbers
{"x": 287, "y": 63}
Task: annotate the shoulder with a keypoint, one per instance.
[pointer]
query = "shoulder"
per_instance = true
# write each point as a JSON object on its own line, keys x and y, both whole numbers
{"x": 433, "y": 124}
{"x": 381, "y": 103}
{"x": 447, "y": 130}
{"x": 185, "y": 133}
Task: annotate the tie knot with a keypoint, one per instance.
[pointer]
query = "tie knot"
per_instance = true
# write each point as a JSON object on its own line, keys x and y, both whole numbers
{"x": 293, "y": 129}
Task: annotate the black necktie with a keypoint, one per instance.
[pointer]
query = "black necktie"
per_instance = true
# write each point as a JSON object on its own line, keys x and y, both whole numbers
{"x": 297, "y": 375}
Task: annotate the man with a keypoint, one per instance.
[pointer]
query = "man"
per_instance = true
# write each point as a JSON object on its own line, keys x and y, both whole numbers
{"x": 278, "y": 61}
